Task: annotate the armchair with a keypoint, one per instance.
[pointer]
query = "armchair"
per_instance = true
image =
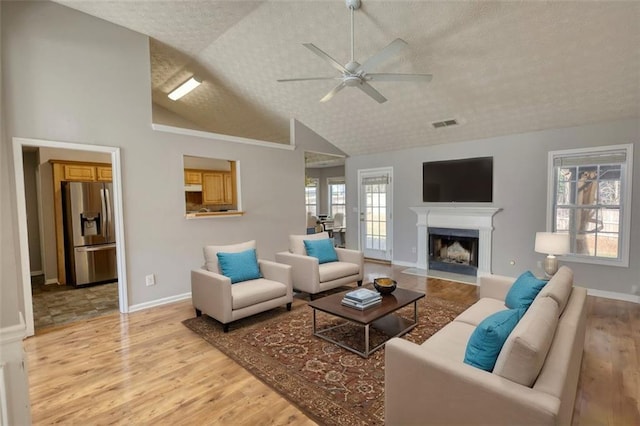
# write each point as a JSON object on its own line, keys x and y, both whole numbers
{"x": 214, "y": 294}
{"x": 312, "y": 277}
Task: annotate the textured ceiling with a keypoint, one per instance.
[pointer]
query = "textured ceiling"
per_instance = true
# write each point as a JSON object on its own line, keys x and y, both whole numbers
{"x": 499, "y": 67}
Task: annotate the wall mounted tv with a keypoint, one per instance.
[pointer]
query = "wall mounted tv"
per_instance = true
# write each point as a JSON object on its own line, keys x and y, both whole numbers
{"x": 468, "y": 180}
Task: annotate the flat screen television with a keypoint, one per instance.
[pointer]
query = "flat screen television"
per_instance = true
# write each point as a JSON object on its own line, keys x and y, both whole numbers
{"x": 468, "y": 180}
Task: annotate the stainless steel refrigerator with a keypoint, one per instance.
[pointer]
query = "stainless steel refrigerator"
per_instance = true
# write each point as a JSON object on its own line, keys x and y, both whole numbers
{"x": 89, "y": 233}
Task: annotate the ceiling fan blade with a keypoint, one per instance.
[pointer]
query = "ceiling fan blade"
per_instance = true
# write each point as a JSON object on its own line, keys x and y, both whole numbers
{"x": 284, "y": 80}
{"x": 391, "y": 50}
{"x": 369, "y": 90}
{"x": 326, "y": 57}
{"x": 333, "y": 92}
{"x": 398, "y": 77}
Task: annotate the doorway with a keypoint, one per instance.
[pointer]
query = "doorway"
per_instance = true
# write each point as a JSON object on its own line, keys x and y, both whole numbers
{"x": 20, "y": 144}
{"x": 375, "y": 212}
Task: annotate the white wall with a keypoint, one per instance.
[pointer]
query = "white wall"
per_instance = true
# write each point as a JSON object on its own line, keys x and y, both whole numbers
{"x": 74, "y": 78}
{"x": 520, "y": 189}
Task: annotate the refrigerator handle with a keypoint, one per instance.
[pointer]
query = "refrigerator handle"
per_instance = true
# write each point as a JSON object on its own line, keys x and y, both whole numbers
{"x": 105, "y": 220}
{"x": 109, "y": 219}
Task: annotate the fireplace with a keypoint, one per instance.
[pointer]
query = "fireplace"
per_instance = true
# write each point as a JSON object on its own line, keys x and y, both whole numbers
{"x": 454, "y": 250}
{"x": 478, "y": 220}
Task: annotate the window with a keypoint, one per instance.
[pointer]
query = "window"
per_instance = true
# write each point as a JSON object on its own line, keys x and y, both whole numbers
{"x": 590, "y": 192}
{"x": 336, "y": 196}
{"x": 311, "y": 196}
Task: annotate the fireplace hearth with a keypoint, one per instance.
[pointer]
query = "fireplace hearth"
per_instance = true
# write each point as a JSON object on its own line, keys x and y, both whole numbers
{"x": 454, "y": 250}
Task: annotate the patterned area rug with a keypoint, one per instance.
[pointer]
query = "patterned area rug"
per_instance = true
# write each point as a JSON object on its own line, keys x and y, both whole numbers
{"x": 331, "y": 385}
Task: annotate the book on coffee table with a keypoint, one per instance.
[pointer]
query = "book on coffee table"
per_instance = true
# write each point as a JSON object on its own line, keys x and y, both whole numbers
{"x": 362, "y": 295}
{"x": 361, "y": 305}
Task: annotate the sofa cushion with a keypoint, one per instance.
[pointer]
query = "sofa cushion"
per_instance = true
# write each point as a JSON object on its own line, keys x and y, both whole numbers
{"x": 211, "y": 258}
{"x": 248, "y": 293}
{"x": 450, "y": 341}
{"x": 296, "y": 242}
{"x": 525, "y": 350}
{"x": 334, "y": 270}
{"x": 241, "y": 266}
{"x": 523, "y": 291}
{"x": 480, "y": 310}
{"x": 323, "y": 250}
{"x": 487, "y": 339}
{"x": 559, "y": 287}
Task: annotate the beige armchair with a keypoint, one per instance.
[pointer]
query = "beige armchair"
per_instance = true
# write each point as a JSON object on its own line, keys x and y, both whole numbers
{"x": 312, "y": 277}
{"x": 213, "y": 293}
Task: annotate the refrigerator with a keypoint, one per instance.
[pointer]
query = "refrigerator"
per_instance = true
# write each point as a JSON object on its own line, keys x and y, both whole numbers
{"x": 89, "y": 233}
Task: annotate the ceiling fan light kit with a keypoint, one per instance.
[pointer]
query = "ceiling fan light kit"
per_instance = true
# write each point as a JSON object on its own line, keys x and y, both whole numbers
{"x": 355, "y": 75}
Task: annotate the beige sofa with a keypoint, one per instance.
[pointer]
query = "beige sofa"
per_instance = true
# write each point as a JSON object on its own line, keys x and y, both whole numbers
{"x": 535, "y": 377}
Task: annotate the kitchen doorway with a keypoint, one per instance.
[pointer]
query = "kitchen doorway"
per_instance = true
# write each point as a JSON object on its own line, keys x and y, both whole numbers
{"x": 19, "y": 145}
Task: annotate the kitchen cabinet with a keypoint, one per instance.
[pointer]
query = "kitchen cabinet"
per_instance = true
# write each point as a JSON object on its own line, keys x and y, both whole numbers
{"x": 193, "y": 177}
{"x": 213, "y": 188}
{"x": 229, "y": 190}
{"x": 79, "y": 173}
{"x": 103, "y": 174}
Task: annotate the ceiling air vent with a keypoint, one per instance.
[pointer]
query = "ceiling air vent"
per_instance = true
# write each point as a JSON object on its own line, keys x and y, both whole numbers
{"x": 445, "y": 123}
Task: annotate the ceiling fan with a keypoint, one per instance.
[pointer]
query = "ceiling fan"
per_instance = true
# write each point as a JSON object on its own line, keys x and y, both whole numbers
{"x": 356, "y": 75}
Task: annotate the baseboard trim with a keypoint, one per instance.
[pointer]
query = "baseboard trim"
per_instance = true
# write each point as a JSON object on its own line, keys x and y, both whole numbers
{"x": 51, "y": 281}
{"x": 159, "y": 302}
{"x": 614, "y": 295}
{"x": 36, "y": 273}
{"x": 405, "y": 264}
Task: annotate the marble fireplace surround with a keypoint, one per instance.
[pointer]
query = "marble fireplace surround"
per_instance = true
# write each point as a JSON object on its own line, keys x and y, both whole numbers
{"x": 457, "y": 217}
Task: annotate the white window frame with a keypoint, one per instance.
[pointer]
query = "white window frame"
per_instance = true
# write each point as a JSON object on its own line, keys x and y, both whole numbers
{"x": 625, "y": 202}
{"x": 336, "y": 181}
{"x": 316, "y": 184}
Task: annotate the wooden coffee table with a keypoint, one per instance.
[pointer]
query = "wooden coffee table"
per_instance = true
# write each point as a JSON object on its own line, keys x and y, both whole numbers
{"x": 382, "y": 317}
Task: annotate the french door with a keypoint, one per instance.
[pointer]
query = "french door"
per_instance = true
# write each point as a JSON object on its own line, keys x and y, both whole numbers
{"x": 375, "y": 212}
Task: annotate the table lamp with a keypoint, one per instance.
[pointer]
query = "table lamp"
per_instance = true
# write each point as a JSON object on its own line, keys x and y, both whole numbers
{"x": 552, "y": 244}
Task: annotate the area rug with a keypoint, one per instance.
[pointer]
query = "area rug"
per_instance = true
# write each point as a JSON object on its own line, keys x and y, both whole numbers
{"x": 331, "y": 385}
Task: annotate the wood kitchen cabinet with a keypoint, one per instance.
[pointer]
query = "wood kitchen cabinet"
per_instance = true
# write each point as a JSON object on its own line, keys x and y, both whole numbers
{"x": 79, "y": 173}
{"x": 103, "y": 174}
{"x": 193, "y": 177}
{"x": 213, "y": 188}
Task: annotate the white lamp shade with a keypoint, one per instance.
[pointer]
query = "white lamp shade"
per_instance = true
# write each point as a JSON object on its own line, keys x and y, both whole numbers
{"x": 552, "y": 243}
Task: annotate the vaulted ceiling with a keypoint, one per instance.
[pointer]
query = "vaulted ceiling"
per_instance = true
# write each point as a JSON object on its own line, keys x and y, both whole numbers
{"x": 499, "y": 67}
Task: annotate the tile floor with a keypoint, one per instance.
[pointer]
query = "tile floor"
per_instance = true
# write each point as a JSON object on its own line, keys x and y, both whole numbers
{"x": 61, "y": 304}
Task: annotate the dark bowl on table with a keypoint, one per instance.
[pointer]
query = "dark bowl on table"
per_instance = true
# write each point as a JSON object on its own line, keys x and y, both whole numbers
{"x": 384, "y": 285}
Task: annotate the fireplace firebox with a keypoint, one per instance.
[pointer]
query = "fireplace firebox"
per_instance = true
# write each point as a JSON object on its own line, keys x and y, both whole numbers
{"x": 454, "y": 250}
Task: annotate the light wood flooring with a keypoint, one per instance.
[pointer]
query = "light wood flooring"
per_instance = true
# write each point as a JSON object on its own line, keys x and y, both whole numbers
{"x": 147, "y": 368}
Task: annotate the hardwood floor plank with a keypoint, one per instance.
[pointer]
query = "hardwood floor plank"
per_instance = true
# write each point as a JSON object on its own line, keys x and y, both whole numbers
{"x": 146, "y": 367}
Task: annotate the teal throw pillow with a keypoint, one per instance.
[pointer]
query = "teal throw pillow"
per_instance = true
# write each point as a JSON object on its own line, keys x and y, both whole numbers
{"x": 523, "y": 291}
{"x": 487, "y": 339}
{"x": 322, "y": 249}
{"x": 241, "y": 266}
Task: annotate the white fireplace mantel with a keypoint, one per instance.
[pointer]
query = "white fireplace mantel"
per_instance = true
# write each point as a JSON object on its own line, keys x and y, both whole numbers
{"x": 479, "y": 218}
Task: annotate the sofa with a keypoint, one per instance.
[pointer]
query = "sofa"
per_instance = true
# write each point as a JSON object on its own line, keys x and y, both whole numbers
{"x": 536, "y": 373}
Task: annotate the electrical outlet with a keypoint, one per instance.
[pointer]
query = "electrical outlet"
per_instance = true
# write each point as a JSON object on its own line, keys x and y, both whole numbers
{"x": 150, "y": 280}
{"x": 413, "y": 250}
{"x": 539, "y": 264}
{"x": 634, "y": 289}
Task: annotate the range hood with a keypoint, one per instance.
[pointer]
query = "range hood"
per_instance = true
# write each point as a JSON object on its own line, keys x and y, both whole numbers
{"x": 193, "y": 188}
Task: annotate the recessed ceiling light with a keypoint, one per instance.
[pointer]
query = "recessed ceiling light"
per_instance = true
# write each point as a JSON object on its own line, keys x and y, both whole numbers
{"x": 184, "y": 88}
